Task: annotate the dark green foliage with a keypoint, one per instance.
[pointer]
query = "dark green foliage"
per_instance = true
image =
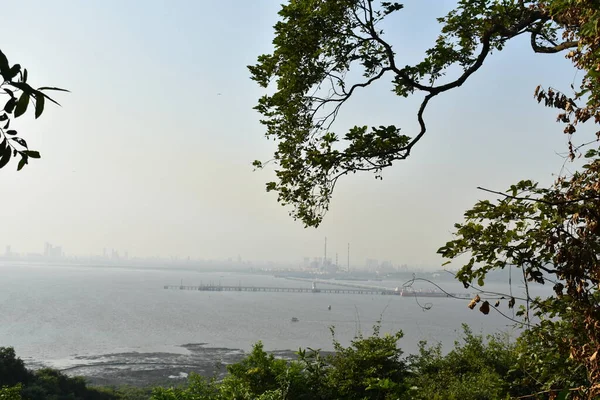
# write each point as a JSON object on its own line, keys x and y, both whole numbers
{"x": 10, "y": 393}
{"x": 17, "y": 382}
{"x": 261, "y": 373}
{"x": 199, "y": 388}
{"x": 473, "y": 370}
{"x": 257, "y": 373}
{"x": 544, "y": 352}
{"x": 12, "y": 368}
{"x": 126, "y": 392}
{"x": 546, "y": 235}
{"x": 50, "y": 384}
{"x": 20, "y": 94}
{"x": 326, "y": 52}
{"x": 370, "y": 368}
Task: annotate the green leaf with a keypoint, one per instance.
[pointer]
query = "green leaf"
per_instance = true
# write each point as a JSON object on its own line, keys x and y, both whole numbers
{"x": 21, "y": 141}
{"x": 24, "y": 87}
{"x": 563, "y": 394}
{"x": 54, "y": 88}
{"x": 14, "y": 71}
{"x": 22, "y": 162}
{"x": 48, "y": 97}
{"x": 10, "y": 105}
{"x": 22, "y": 104}
{"x": 5, "y": 153}
{"x": 591, "y": 153}
{"x": 11, "y": 132}
{"x": 31, "y": 153}
{"x": 39, "y": 105}
{"x": 4, "y": 66}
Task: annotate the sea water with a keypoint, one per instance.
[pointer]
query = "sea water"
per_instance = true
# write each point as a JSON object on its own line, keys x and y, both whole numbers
{"x": 53, "y": 314}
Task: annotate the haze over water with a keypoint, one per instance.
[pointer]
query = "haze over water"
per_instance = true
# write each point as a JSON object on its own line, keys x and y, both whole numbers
{"x": 52, "y": 314}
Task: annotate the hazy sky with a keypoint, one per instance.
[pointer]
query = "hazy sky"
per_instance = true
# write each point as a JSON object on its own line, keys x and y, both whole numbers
{"x": 145, "y": 156}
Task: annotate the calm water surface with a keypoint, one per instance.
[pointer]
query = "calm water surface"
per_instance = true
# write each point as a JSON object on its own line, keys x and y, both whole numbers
{"x": 52, "y": 314}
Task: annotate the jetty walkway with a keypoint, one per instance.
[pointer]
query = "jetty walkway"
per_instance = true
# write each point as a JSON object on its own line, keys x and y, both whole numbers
{"x": 334, "y": 283}
{"x": 219, "y": 288}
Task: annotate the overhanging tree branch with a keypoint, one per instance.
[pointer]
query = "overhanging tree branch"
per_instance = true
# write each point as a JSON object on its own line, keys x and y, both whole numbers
{"x": 540, "y": 200}
{"x": 320, "y": 42}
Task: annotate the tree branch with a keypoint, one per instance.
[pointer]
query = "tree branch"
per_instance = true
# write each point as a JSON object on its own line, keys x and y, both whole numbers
{"x": 550, "y": 50}
{"x": 548, "y": 202}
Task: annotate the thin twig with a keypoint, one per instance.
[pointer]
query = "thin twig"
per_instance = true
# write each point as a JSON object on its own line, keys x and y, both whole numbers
{"x": 538, "y": 200}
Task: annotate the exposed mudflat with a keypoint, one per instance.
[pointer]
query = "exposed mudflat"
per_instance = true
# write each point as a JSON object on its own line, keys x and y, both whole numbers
{"x": 152, "y": 369}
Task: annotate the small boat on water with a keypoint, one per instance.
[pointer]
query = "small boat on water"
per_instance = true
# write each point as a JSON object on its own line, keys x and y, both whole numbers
{"x": 294, "y": 319}
{"x": 329, "y": 307}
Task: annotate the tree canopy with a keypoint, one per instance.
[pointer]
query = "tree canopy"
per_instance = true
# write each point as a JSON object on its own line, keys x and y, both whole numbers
{"x": 550, "y": 235}
{"x": 20, "y": 93}
{"x": 546, "y": 234}
{"x": 371, "y": 368}
{"x": 19, "y": 383}
{"x": 320, "y": 45}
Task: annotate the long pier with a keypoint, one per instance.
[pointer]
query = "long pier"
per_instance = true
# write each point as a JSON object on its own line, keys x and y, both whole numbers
{"x": 335, "y": 283}
{"x": 219, "y": 288}
{"x": 397, "y": 291}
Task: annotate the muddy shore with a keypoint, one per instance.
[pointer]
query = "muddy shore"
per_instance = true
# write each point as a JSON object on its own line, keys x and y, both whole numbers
{"x": 159, "y": 369}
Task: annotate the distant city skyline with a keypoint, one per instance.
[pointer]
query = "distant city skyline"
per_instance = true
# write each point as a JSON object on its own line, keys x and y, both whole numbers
{"x": 321, "y": 263}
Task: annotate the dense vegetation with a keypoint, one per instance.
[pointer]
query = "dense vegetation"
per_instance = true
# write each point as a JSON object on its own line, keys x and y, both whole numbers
{"x": 370, "y": 368}
{"x": 326, "y": 52}
{"x": 17, "y": 382}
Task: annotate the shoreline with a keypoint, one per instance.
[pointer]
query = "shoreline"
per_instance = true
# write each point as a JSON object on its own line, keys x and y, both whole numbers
{"x": 157, "y": 368}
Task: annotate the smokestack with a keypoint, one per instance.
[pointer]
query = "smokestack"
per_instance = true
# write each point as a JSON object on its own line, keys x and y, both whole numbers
{"x": 348, "y": 257}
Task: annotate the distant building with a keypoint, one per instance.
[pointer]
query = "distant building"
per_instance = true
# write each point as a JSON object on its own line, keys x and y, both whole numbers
{"x": 372, "y": 264}
{"x": 306, "y": 262}
{"x": 331, "y": 268}
{"x": 386, "y": 267}
{"x": 316, "y": 263}
{"x": 51, "y": 251}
